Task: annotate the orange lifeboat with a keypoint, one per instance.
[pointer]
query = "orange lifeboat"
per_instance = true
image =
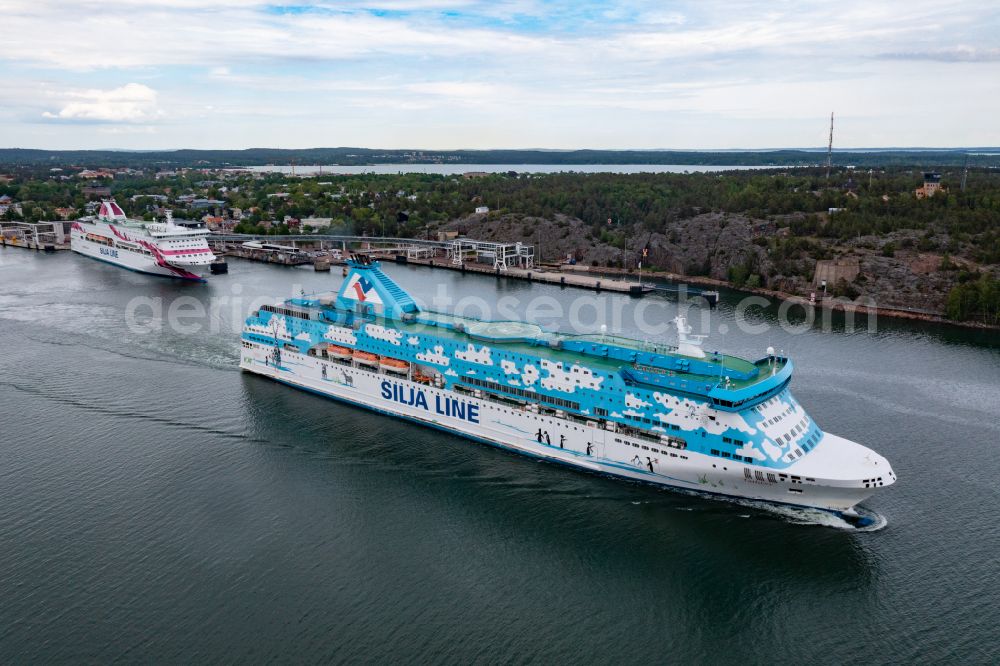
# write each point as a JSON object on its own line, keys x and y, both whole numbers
{"x": 365, "y": 358}
{"x": 393, "y": 364}
{"x": 338, "y": 352}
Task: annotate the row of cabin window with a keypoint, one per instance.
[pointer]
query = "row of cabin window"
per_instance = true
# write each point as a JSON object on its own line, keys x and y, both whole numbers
{"x": 734, "y": 456}
{"x": 559, "y": 402}
{"x": 651, "y": 449}
{"x": 649, "y": 421}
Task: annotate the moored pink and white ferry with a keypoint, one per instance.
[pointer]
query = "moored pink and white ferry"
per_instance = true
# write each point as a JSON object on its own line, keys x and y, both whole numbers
{"x": 156, "y": 248}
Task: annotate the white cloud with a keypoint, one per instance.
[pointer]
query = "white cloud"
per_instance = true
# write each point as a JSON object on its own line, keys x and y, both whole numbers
{"x": 131, "y": 103}
{"x": 513, "y": 73}
{"x": 959, "y": 53}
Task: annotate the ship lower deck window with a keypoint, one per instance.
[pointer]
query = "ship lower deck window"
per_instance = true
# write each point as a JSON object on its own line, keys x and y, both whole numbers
{"x": 533, "y": 395}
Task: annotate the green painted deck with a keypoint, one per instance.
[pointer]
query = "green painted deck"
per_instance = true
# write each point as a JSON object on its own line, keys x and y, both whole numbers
{"x": 515, "y": 336}
{"x": 531, "y": 340}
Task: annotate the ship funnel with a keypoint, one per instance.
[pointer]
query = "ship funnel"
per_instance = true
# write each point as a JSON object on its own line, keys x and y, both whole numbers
{"x": 367, "y": 290}
{"x": 110, "y": 211}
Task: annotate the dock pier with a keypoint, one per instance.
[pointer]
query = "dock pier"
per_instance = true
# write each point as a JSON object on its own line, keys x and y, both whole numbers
{"x": 581, "y": 281}
{"x": 39, "y": 236}
{"x": 511, "y": 260}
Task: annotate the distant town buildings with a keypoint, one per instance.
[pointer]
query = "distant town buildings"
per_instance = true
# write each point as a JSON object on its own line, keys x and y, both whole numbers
{"x": 206, "y": 203}
{"x": 95, "y": 190}
{"x": 6, "y": 204}
{"x": 851, "y": 188}
{"x": 317, "y": 222}
{"x": 216, "y": 222}
{"x": 98, "y": 173}
{"x": 931, "y": 186}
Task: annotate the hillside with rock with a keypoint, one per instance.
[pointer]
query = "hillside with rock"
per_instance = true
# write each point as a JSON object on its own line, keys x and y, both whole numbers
{"x": 892, "y": 269}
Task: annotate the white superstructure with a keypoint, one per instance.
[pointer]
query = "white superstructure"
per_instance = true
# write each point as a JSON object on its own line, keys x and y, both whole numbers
{"x": 157, "y": 248}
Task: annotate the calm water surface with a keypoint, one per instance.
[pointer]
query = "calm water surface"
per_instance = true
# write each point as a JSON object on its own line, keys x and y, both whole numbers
{"x": 156, "y": 505}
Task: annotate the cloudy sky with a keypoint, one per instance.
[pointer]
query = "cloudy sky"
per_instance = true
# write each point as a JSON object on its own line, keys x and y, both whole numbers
{"x": 498, "y": 74}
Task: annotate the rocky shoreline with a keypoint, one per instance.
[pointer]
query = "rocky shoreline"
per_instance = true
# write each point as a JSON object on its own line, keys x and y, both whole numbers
{"x": 894, "y": 275}
{"x": 838, "y": 304}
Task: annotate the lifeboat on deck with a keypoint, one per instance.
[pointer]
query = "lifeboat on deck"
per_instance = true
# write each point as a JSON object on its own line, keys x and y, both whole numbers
{"x": 365, "y": 358}
{"x": 334, "y": 351}
{"x": 393, "y": 365}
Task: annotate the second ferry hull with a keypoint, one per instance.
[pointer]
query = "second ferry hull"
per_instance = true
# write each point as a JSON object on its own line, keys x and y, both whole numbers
{"x": 129, "y": 259}
{"x": 570, "y": 442}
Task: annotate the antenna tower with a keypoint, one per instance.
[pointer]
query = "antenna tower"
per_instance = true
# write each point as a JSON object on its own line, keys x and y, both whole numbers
{"x": 965, "y": 171}
{"x": 829, "y": 149}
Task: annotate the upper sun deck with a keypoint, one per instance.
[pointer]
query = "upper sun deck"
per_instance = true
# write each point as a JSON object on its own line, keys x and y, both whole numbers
{"x": 729, "y": 381}
{"x": 368, "y": 295}
{"x": 111, "y": 213}
{"x": 154, "y": 229}
{"x": 610, "y": 351}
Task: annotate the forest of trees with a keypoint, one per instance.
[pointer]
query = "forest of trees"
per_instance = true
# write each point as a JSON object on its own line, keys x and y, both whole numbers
{"x": 964, "y": 225}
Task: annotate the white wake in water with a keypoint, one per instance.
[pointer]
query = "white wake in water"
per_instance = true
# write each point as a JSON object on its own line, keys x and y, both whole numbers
{"x": 803, "y": 515}
{"x": 818, "y": 517}
{"x": 806, "y": 516}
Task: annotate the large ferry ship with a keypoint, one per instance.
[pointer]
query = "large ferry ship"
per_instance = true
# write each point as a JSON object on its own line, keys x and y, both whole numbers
{"x": 668, "y": 415}
{"x": 157, "y": 248}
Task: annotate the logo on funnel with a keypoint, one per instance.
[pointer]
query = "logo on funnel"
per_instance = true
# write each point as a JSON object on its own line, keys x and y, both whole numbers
{"x": 362, "y": 289}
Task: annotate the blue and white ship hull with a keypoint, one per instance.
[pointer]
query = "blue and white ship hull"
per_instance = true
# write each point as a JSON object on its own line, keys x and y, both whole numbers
{"x": 671, "y": 416}
{"x": 575, "y": 442}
